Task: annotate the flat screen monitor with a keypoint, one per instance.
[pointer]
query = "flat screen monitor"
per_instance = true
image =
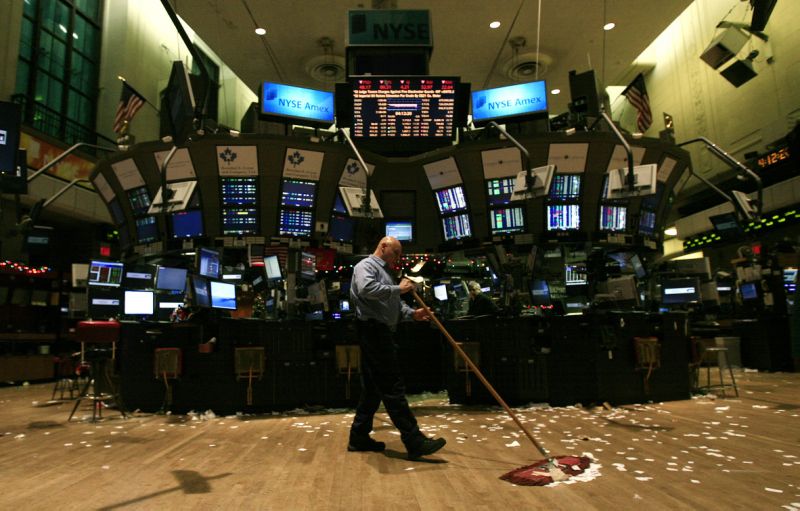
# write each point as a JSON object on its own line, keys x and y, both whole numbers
{"x": 116, "y": 211}
{"x": 460, "y": 290}
{"x": 237, "y": 221}
{"x": 146, "y": 229}
{"x": 565, "y": 187}
{"x": 308, "y": 266}
{"x": 104, "y": 303}
{"x": 613, "y": 218}
{"x": 166, "y": 304}
{"x": 680, "y": 291}
{"x": 540, "y": 292}
{"x": 451, "y": 200}
{"x": 456, "y": 227}
{"x": 200, "y": 292}
{"x": 171, "y": 279}
{"x": 623, "y": 289}
{"x": 180, "y": 104}
{"x": 749, "y": 291}
{"x": 338, "y": 205}
{"x": 292, "y": 104}
{"x": 726, "y": 224}
{"x": 575, "y": 275}
{"x": 498, "y": 191}
{"x": 790, "y": 280}
{"x": 510, "y": 102}
{"x": 272, "y": 265}
{"x": 139, "y": 303}
{"x": 297, "y": 193}
{"x": 139, "y": 199}
{"x": 506, "y": 220}
{"x": 295, "y": 222}
{"x": 239, "y": 191}
{"x": 344, "y": 305}
{"x": 440, "y": 292}
{"x": 105, "y": 273}
{"x": 342, "y": 229}
{"x": 647, "y": 222}
{"x": 402, "y": 230}
{"x": 563, "y": 217}
{"x": 412, "y": 107}
{"x": 223, "y": 295}
{"x": 187, "y": 224}
{"x": 140, "y": 276}
{"x": 208, "y": 263}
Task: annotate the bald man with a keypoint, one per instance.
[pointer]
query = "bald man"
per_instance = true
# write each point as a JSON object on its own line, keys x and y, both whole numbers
{"x": 378, "y": 307}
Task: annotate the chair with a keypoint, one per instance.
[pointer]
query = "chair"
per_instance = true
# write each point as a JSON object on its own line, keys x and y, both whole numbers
{"x": 708, "y": 355}
{"x": 100, "y": 387}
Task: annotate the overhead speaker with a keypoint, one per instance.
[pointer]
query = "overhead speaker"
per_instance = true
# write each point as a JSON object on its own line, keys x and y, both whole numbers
{"x": 724, "y": 47}
{"x": 740, "y": 72}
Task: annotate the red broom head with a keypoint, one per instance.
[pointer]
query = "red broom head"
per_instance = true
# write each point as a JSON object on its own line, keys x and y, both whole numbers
{"x": 539, "y": 473}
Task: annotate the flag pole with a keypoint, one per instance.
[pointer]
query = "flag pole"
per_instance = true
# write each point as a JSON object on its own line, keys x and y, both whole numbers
{"x": 123, "y": 80}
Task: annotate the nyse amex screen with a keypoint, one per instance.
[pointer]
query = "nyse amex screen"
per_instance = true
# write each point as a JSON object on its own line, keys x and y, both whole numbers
{"x": 403, "y": 107}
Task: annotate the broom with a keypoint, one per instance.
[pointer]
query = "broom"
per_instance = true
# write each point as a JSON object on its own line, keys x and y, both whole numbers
{"x": 541, "y": 472}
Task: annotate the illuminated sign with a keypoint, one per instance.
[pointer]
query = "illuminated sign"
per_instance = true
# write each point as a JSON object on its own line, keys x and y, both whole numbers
{"x": 512, "y": 101}
{"x": 391, "y": 27}
{"x": 296, "y": 103}
{"x": 773, "y": 157}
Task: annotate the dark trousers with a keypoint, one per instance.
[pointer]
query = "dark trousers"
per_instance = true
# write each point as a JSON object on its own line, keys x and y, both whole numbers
{"x": 381, "y": 381}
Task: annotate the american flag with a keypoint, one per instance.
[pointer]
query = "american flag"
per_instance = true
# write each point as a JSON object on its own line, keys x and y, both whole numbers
{"x": 130, "y": 102}
{"x": 637, "y": 95}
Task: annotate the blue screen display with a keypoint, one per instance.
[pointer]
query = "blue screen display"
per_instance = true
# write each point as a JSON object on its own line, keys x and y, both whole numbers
{"x": 239, "y": 221}
{"x": 341, "y": 228}
{"x": 403, "y": 231}
{"x": 613, "y": 218}
{"x": 296, "y": 102}
{"x": 208, "y": 264}
{"x": 223, "y": 295}
{"x": 146, "y": 229}
{"x": 511, "y": 101}
{"x": 187, "y": 224}
{"x": 237, "y": 191}
{"x": 298, "y": 193}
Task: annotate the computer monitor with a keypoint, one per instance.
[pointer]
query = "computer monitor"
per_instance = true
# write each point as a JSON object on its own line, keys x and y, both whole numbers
{"x": 187, "y": 224}
{"x": 456, "y": 227}
{"x": 540, "y": 292}
{"x": 726, "y": 224}
{"x": 297, "y": 193}
{"x": 223, "y": 295}
{"x": 338, "y": 204}
{"x": 105, "y": 273}
{"x": 139, "y": 199}
{"x": 171, "y": 279}
{"x": 272, "y": 265}
{"x": 790, "y": 279}
{"x": 575, "y": 275}
{"x": 680, "y": 291}
{"x": 239, "y": 191}
{"x": 749, "y": 291}
{"x": 565, "y": 187}
{"x": 208, "y": 263}
{"x": 179, "y": 103}
{"x": 166, "y": 304}
{"x": 563, "y": 217}
{"x": 308, "y": 266}
{"x": 613, "y": 218}
{"x": 401, "y": 229}
{"x": 507, "y": 220}
{"x": 295, "y": 222}
{"x": 344, "y": 305}
{"x": 342, "y": 229}
{"x": 498, "y": 191}
{"x": 104, "y": 303}
{"x": 200, "y": 293}
{"x": 146, "y": 229}
{"x": 238, "y": 221}
{"x": 440, "y": 292}
{"x": 139, "y": 276}
{"x": 647, "y": 222}
{"x": 451, "y": 199}
{"x": 139, "y": 303}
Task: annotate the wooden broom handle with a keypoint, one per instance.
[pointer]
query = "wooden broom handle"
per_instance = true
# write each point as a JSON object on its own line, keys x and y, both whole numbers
{"x": 478, "y": 373}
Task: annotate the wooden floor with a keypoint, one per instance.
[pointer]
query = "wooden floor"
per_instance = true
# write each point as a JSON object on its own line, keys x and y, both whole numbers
{"x": 735, "y": 453}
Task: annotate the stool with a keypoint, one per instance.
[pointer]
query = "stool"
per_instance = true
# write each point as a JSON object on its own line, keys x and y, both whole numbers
{"x": 711, "y": 355}
{"x": 168, "y": 363}
{"x": 99, "y": 386}
{"x": 348, "y": 361}
{"x": 249, "y": 364}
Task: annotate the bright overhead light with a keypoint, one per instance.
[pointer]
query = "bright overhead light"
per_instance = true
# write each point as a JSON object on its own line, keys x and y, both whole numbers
{"x": 261, "y": 31}
{"x": 671, "y": 231}
{"x": 609, "y": 26}
{"x": 62, "y": 27}
{"x": 555, "y": 91}
{"x": 494, "y": 24}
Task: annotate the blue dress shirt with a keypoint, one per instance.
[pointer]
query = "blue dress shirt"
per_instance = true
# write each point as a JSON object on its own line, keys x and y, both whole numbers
{"x": 375, "y": 294}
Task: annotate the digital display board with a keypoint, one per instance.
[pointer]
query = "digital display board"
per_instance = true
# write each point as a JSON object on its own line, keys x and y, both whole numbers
{"x": 456, "y": 227}
{"x": 613, "y": 218}
{"x": 187, "y": 224}
{"x": 404, "y": 107}
{"x": 140, "y": 200}
{"x": 287, "y": 101}
{"x": 401, "y": 230}
{"x": 499, "y": 191}
{"x": 298, "y": 193}
{"x": 511, "y": 101}
{"x": 506, "y": 220}
{"x": 239, "y": 221}
{"x": 451, "y": 200}
{"x": 146, "y": 229}
{"x": 295, "y": 222}
{"x": 563, "y": 217}
{"x": 105, "y": 273}
{"x": 238, "y": 191}
{"x": 565, "y": 186}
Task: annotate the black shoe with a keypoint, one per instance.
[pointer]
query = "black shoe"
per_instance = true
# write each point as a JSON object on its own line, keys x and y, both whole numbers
{"x": 425, "y": 447}
{"x": 365, "y": 443}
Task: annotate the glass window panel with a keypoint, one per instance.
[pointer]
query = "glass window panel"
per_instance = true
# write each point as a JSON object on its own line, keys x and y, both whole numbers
{"x": 85, "y": 37}
{"x": 29, "y": 8}
{"x": 52, "y": 54}
{"x": 26, "y": 39}
{"x": 23, "y": 70}
{"x": 55, "y": 17}
{"x": 91, "y": 8}
{"x": 82, "y": 74}
{"x": 48, "y": 91}
{"x": 79, "y": 108}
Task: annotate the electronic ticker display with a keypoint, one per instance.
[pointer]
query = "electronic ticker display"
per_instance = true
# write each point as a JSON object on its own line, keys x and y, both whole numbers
{"x": 238, "y": 191}
{"x": 239, "y": 221}
{"x": 404, "y": 107}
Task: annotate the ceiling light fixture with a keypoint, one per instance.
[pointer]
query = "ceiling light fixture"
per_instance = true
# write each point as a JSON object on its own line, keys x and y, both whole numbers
{"x": 610, "y": 25}
{"x": 494, "y": 24}
{"x": 555, "y": 91}
{"x": 261, "y": 31}
{"x": 671, "y": 231}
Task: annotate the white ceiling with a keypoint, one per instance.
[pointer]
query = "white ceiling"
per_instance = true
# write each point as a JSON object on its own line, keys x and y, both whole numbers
{"x": 570, "y": 34}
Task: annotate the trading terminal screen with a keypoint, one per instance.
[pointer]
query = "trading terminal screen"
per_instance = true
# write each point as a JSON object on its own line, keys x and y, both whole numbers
{"x": 565, "y": 186}
{"x": 238, "y": 191}
{"x": 499, "y": 191}
{"x": 407, "y": 107}
{"x": 456, "y": 227}
{"x": 506, "y": 220}
{"x": 613, "y": 218}
{"x": 451, "y": 200}
{"x": 239, "y": 221}
{"x": 295, "y": 222}
{"x": 563, "y": 217}
{"x": 298, "y": 193}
